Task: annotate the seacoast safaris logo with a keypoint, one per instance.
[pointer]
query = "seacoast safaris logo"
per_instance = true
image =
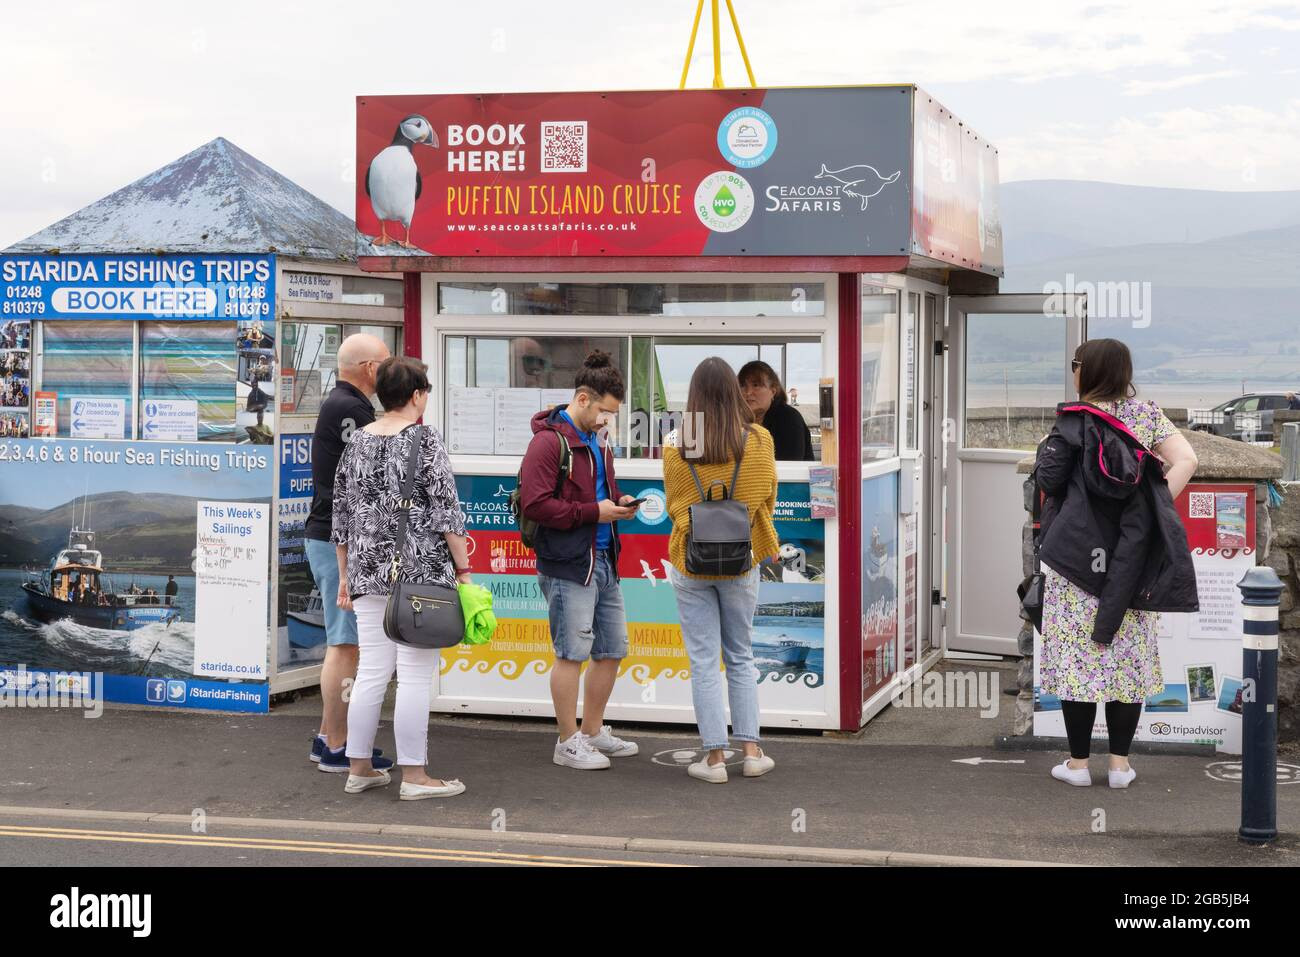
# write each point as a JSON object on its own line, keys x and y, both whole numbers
{"x": 724, "y": 201}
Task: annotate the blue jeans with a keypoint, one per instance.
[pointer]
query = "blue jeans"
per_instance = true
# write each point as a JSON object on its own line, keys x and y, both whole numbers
{"x": 587, "y": 621}
{"x": 340, "y": 625}
{"x": 718, "y": 617}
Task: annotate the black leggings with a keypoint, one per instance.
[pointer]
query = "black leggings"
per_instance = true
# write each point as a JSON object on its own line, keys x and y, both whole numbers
{"x": 1121, "y": 723}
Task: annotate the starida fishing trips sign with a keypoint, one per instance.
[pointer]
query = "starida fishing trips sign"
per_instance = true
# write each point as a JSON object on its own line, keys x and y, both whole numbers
{"x": 794, "y": 172}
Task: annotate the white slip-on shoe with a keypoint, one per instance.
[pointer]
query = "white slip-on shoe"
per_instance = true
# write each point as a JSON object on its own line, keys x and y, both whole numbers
{"x": 418, "y": 792}
{"x": 1122, "y": 779}
{"x": 757, "y": 767}
{"x": 613, "y": 747}
{"x": 364, "y": 782}
{"x": 577, "y": 752}
{"x": 1079, "y": 777}
{"x": 704, "y": 771}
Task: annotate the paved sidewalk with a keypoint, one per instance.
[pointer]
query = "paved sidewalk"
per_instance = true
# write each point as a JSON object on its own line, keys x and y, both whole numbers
{"x": 849, "y": 793}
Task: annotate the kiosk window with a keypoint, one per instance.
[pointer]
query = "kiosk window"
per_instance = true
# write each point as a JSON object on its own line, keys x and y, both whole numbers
{"x": 781, "y": 299}
{"x": 495, "y": 384}
{"x": 309, "y": 360}
{"x": 88, "y": 364}
{"x": 879, "y": 374}
{"x": 661, "y": 374}
{"x": 1014, "y": 371}
{"x": 188, "y": 380}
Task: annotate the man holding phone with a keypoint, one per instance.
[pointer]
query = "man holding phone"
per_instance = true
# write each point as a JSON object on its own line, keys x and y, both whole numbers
{"x": 577, "y": 558}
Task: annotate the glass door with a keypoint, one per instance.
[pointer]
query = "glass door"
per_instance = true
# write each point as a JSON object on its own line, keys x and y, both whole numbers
{"x": 1008, "y": 367}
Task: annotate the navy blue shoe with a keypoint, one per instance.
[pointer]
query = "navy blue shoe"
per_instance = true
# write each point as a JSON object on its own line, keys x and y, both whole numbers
{"x": 318, "y": 748}
{"x": 338, "y": 761}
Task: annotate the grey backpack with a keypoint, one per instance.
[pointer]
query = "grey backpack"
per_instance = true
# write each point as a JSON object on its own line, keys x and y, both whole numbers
{"x": 718, "y": 542}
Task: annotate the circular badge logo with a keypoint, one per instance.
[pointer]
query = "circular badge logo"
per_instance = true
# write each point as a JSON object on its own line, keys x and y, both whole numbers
{"x": 724, "y": 201}
{"x": 654, "y": 509}
{"x": 747, "y": 137}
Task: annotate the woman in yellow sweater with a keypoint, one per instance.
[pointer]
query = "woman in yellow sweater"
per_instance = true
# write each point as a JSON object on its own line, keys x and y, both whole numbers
{"x": 717, "y": 613}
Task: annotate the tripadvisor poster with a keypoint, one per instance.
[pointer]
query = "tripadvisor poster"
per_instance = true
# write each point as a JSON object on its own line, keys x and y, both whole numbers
{"x": 144, "y": 562}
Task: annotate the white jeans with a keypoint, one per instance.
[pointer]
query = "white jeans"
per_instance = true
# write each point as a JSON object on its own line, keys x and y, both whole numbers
{"x": 379, "y": 656}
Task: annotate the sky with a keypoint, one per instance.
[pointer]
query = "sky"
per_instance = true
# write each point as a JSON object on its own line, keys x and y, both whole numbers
{"x": 1187, "y": 93}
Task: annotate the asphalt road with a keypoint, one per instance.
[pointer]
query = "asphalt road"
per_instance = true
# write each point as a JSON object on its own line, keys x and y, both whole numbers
{"x": 824, "y": 793}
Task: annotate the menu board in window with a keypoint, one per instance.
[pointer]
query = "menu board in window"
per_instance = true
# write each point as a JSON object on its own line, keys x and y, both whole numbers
{"x": 471, "y": 414}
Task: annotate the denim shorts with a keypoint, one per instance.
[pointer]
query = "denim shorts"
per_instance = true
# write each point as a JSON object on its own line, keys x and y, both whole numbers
{"x": 587, "y": 621}
{"x": 340, "y": 624}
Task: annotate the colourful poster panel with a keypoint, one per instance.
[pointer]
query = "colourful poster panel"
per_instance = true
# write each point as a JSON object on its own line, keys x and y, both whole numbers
{"x": 113, "y": 551}
{"x": 512, "y": 671}
{"x": 299, "y": 625}
{"x": 879, "y": 582}
{"x": 1200, "y": 652}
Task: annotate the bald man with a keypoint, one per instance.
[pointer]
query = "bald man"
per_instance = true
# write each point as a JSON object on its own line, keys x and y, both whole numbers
{"x": 345, "y": 410}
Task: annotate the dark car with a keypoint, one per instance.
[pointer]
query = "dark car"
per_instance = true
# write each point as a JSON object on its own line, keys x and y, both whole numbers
{"x": 1247, "y": 416}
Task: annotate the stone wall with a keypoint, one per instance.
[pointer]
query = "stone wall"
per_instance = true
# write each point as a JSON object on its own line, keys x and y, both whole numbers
{"x": 1022, "y": 427}
{"x": 1277, "y": 539}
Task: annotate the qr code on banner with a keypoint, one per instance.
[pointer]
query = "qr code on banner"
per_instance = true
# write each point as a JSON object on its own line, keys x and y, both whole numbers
{"x": 1200, "y": 505}
{"x": 564, "y": 147}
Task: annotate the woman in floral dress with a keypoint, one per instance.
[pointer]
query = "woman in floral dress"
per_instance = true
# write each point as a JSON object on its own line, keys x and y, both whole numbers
{"x": 1123, "y": 673}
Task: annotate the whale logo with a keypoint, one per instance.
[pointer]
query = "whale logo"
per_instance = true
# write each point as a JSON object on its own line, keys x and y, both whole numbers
{"x": 862, "y": 181}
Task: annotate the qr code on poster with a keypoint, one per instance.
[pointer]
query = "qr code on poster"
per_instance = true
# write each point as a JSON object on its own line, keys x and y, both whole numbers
{"x": 1200, "y": 505}
{"x": 564, "y": 147}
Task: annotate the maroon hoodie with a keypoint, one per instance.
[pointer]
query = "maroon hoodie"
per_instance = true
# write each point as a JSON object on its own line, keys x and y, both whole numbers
{"x": 566, "y": 541}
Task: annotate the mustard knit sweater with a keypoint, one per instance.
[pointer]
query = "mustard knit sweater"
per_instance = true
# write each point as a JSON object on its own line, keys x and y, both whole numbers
{"x": 755, "y": 486}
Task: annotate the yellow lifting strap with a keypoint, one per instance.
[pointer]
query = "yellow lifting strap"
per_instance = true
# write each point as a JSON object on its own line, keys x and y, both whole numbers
{"x": 717, "y": 45}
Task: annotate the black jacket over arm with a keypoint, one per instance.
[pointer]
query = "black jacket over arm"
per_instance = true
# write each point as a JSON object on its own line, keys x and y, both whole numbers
{"x": 1108, "y": 521}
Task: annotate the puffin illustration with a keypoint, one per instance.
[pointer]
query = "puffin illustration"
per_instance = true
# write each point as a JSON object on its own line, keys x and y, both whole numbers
{"x": 393, "y": 180}
{"x": 863, "y": 181}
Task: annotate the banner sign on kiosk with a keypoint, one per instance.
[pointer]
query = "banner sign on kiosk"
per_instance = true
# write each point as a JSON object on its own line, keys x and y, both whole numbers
{"x": 122, "y": 567}
{"x": 675, "y": 173}
{"x": 1200, "y": 652}
{"x": 182, "y": 288}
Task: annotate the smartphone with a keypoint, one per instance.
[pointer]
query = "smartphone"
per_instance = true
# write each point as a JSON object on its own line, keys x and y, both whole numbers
{"x": 634, "y": 503}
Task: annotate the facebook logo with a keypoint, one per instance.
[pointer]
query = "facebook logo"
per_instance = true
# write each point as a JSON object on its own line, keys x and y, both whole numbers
{"x": 155, "y": 690}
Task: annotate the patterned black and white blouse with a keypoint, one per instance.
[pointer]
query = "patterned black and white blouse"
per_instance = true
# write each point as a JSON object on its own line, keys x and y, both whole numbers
{"x": 367, "y": 490}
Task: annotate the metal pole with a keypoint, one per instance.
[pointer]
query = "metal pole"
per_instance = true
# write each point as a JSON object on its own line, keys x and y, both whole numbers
{"x": 1261, "y": 592}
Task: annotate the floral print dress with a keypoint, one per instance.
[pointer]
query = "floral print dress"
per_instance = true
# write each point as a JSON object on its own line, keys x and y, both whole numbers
{"x": 1071, "y": 665}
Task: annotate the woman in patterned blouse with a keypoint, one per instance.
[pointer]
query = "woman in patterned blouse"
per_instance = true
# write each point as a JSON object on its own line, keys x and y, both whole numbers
{"x": 367, "y": 492}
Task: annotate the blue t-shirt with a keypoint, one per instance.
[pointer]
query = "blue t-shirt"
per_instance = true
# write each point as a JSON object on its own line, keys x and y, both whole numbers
{"x": 603, "y": 531}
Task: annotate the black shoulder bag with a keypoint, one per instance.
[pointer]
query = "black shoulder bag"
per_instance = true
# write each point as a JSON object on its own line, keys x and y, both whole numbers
{"x": 1030, "y": 590}
{"x": 426, "y": 616}
{"x": 718, "y": 542}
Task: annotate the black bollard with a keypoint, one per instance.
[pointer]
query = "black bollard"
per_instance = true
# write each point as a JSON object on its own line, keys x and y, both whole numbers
{"x": 1261, "y": 592}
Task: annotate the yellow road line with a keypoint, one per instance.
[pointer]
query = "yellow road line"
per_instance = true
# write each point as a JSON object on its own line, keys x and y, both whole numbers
{"x": 312, "y": 847}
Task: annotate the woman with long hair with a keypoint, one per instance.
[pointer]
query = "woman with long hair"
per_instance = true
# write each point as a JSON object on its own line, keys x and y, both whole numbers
{"x": 717, "y": 611}
{"x": 1114, "y": 554}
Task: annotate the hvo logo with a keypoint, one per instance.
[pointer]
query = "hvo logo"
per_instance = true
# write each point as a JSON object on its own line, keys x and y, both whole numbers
{"x": 724, "y": 202}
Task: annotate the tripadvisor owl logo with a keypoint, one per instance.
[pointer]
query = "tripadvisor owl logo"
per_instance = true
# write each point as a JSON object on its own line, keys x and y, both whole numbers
{"x": 724, "y": 201}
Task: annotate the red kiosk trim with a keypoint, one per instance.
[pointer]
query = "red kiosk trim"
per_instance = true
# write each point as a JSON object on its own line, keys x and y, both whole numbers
{"x": 413, "y": 265}
{"x": 848, "y": 429}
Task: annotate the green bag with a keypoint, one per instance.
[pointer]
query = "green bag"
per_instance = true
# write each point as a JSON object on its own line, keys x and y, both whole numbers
{"x": 480, "y": 623}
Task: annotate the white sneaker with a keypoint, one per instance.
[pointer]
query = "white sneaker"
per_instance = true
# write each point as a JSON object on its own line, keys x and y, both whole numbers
{"x": 577, "y": 752}
{"x": 1079, "y": 777}
{"x": 418, "y": 792}
{"x": 607, "y": 744}
{"x": 363, "y": 782}
{"x": 1122, "y": 779}
{"x": 712, "y": 773}
{"x": 757, "y": 767}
